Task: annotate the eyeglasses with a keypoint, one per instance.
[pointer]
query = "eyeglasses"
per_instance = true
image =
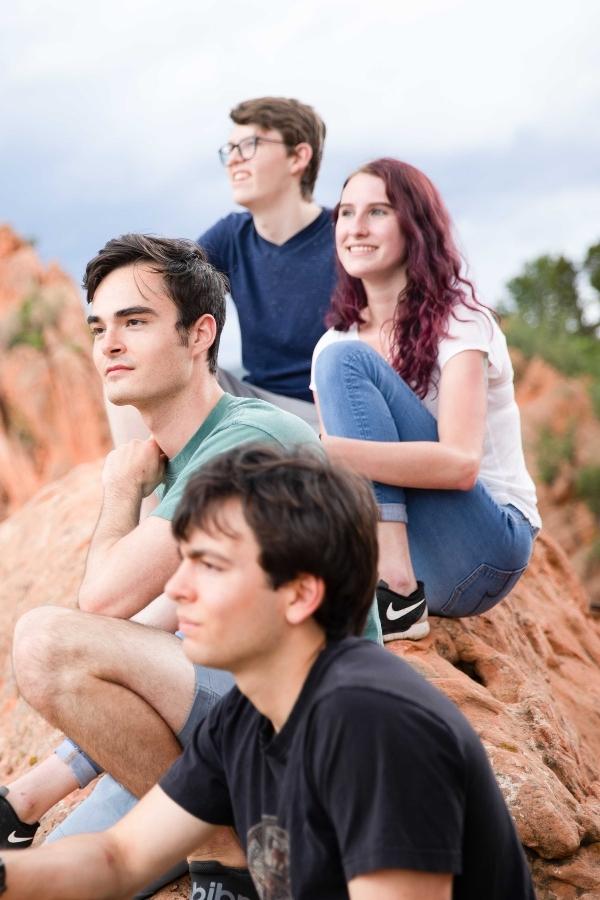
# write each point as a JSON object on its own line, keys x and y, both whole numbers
{"x": 246, "y": 147}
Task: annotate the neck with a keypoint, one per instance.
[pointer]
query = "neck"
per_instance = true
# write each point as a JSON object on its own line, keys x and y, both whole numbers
{"x": 383, "y": 297}
{"x": 279, "y": 220}
{"x": 173, "y": 420}
{"x": 273, "y": 684}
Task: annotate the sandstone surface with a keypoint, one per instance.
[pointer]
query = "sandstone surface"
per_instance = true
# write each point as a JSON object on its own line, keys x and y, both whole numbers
{"x": 558, "y": 407}
{"x": 51, "y": 411}
{"x": 526, "y": 675}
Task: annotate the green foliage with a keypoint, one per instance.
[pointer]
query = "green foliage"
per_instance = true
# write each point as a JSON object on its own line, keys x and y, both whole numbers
{"x": 545, "y": 294}
{"x": 573, "y": 354}
{"x": 587, "y": 486}
{"x": 32, "y": 318}
{"x": 591, "y": 266}
{"x": 552, "y": 450}
{"x": 546, "y": 316}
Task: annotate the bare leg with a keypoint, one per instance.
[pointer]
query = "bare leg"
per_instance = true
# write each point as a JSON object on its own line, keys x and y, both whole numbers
{"x": 119, "y": 689}
{"x": 36, "y": 791}
{"x": 395, "y": 566}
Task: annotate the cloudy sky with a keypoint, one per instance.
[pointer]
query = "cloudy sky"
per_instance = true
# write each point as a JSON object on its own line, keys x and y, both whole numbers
{"x": 111, "y": 113}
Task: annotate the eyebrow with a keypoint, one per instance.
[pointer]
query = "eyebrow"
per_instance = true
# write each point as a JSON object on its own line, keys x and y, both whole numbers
{"x": 202, "y": 554}
{"x": 125, "y": 313}
{"x": 376, "y": 203}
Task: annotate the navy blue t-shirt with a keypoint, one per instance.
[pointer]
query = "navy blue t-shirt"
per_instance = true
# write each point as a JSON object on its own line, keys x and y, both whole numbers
{"x": 281, "y": 294}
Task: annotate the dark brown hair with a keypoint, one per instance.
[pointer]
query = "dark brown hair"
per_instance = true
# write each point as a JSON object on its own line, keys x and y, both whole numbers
{"x": 194, "y": 286}
{"x": 296, "y": 122}
{"x": 308, "y": 517}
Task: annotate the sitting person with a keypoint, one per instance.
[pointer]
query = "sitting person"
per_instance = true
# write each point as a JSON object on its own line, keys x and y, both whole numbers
{"x": 345, "y": 774}
{"x": 415, "y": 389}
{"x": 278, "y": 255}
{"x": 157, "y": 310}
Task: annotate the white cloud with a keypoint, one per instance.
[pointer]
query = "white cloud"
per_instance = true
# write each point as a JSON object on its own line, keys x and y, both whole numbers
{"x": 121, "y": 105}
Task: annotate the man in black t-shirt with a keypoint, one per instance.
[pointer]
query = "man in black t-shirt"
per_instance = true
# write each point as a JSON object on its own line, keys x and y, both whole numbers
{"x": 344, "y": 773}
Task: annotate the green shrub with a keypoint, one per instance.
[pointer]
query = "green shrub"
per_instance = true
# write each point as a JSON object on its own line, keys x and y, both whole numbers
{"x": 587, "y": 486}
{"x": 552, "y": 450}
{"x": 33, "y": 316}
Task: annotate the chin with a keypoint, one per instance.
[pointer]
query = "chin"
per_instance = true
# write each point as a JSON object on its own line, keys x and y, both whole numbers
{"x": 201, "y": 656}
{"x": 121, "y": 400}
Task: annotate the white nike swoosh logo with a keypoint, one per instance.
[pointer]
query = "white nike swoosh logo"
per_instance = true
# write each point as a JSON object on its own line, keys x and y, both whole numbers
{"x": 393, "y": 614}
{"x": 13, "y": 839}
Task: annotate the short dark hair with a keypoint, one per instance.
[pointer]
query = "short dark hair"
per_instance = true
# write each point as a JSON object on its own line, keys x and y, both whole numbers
{"x": 194, "y": 286}
{"x": 308, "y": 517}
{"x": 297, "y": 124}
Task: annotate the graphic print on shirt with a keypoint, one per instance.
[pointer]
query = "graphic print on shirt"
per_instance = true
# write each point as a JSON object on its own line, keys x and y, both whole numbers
{"x": 269, "y": 859}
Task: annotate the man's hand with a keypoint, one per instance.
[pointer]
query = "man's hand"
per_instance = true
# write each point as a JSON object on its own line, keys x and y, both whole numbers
{"x": 128, "y": 562}
{"x": 137, "y": 464}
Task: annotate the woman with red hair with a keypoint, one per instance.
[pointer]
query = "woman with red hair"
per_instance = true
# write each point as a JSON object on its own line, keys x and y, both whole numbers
{"x": 415, "y": 389}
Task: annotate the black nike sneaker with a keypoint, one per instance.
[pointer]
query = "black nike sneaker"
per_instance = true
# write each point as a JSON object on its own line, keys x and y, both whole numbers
{"x": 14, "y": 834}
{"x": 402, "y": 618}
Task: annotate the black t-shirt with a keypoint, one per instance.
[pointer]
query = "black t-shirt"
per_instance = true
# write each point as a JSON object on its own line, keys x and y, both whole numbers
{"x": 374, "y": 769}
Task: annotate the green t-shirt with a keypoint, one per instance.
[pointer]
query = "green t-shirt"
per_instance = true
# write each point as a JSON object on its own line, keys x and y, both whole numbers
{"x": 235, "y": 421}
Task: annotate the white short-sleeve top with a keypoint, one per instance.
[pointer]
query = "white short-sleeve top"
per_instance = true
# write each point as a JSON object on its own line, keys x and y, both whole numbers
{"x": 503, "y": 469}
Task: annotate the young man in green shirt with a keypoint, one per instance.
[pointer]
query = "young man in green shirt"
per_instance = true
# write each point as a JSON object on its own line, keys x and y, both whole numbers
{"x": 125, "y": 692}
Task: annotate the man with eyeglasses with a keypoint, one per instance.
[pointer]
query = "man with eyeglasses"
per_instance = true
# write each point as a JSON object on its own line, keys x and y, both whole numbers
{"x": 279, "y": 255}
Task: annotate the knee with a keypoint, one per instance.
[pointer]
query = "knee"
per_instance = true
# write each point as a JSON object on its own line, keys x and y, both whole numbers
{"x": 39, "y": 654}
{"x": 334, "y": 358}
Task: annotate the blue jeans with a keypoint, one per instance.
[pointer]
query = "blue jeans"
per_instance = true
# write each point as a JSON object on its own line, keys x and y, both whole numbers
{"x": 467, "y": 549}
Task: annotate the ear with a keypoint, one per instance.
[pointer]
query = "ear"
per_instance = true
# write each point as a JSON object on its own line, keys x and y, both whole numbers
{"x": 306, "y": 593}
{"x": 300, "y": 158}
{"x": 202, "y": 334}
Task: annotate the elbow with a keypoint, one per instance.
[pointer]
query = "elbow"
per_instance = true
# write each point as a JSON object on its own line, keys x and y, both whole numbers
{"x": 469, "y": 473}
{"x": 92, "y": 600}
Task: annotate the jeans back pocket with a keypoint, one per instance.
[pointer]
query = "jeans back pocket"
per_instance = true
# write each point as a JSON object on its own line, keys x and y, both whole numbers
{"x": 481, "y": 590}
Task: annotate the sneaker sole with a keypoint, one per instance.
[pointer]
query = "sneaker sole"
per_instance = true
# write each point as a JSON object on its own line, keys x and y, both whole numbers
{"x": 416, "y": 632}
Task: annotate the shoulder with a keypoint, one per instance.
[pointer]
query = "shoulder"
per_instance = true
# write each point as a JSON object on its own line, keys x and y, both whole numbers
{"x": 332, "y": 336}
{"x": 473, "y": 328}
{"x": 362, "y": 676}
{"x": 219, "y": 238}
{"x": 371, "y": 704}
{"x": 251, "y": 419}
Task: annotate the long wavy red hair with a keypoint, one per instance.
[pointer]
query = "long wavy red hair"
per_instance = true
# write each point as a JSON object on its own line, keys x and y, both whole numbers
{"x": 433, "y": 273}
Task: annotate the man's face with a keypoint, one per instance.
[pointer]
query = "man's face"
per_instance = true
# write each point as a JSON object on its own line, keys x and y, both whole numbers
{"x": 137, "y": 349}
{"x": 230, "y": 616}
{"x": 267, "y": 175}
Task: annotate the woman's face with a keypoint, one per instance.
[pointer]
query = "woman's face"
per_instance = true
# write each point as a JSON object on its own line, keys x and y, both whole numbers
{"x": 368, "y": 239}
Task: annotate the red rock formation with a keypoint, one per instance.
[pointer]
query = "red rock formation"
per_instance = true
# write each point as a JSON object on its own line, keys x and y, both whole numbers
{"x": 526, "y": 675}
{"x": 51, "y": 412}
{"x": 558, "y": 405}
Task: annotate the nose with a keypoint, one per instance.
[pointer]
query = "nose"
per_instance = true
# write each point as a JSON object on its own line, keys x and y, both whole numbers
{"x": 235, "y": 157}
{"x": 179, "y": 587}
{"x": 112, "y": 341}
{"x": 359, "y": 224}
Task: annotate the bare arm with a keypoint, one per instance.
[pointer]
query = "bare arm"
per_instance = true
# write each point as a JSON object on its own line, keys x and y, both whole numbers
{"x": 450, "y": 463}
{"x": 401, "y": 884}
{"x": 160, "y": 613}
{"x": 128, "y": 563}
{"x": 110, "y": 865}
